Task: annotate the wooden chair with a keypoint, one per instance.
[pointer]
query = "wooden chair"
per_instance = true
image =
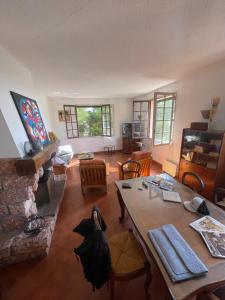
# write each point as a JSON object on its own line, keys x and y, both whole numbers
{"x": 128, "y": 261}
{"x": 145, "y": 160}
{"x": 93, "y": 174}
{"x": 129, "y": 169}
{"x": 193, "y": 181}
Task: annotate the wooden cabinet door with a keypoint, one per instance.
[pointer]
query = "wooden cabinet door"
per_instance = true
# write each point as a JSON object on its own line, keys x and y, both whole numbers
{"x": 130, "y": 145}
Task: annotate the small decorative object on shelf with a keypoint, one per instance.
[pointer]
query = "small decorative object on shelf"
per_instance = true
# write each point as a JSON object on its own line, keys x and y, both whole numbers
{"x": 34, "y": 224}
{"x": 38, "y": 145}
{"x": 140, "y": 145}
{"x": 209, "y": 114}
{"x": 28, "y": 149}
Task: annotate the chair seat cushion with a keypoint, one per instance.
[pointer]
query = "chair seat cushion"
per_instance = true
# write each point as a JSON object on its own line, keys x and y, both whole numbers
{"x": 126, "y": 253}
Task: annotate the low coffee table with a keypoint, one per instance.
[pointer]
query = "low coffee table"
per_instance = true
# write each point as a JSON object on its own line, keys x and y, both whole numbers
{"x": 86, "y": 156}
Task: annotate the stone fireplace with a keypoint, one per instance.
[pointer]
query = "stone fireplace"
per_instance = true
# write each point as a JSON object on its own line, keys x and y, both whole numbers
{"x": 18, "y": 184}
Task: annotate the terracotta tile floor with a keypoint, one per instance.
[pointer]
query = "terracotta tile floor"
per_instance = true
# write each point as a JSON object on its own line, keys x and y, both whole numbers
{"x": 59, "y": 276}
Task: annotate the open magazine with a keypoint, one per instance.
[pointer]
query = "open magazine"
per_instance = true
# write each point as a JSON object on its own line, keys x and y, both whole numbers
{"x": 207, "y": 223}
{"x": 213, "y": 234}
{"x": 215, "y": 242}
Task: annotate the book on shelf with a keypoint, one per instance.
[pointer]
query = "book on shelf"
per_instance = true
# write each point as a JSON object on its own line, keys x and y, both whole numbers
{"x": 198, "y": 149}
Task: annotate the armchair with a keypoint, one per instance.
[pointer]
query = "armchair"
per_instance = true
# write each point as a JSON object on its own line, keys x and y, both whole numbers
{"x": 144, "y": 158}
{"x": 93, "y": 174}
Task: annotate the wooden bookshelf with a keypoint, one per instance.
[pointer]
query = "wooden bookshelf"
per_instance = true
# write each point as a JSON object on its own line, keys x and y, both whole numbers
{"x": 203, "y": 152}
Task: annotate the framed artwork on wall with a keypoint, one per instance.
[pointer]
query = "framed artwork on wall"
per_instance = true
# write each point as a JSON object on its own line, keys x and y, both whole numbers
{"x": 31, "y": 118}
{"x": 63, "y": 116}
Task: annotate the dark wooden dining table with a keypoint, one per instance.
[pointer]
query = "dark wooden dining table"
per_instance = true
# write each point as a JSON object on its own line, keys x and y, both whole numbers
{"x": 148, "y": 210}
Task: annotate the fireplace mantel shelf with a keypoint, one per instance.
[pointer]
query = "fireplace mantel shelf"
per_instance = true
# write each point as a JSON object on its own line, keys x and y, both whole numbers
{"x": 29, "y": 165}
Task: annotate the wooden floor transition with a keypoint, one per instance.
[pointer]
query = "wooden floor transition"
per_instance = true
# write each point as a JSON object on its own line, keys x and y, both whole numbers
{"x": 59, "y": 276}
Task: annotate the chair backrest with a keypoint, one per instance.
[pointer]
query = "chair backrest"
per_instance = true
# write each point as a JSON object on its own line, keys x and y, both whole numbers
{"x": 145, "y": 160}
{"x": 193, "y": 181}
{"x": 130, "y": 169}
{"x": 93, "y": 172}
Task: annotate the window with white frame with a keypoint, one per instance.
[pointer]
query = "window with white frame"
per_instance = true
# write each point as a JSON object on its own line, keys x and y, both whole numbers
{"x": 164, "y": 107}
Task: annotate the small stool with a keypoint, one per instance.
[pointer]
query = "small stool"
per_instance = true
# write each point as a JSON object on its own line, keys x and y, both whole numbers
{"x": 110, "y": 149}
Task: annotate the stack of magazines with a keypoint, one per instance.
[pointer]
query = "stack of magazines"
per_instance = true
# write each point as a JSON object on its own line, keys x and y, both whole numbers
{"x": 160, "y": 182}
{"x": 213, "y": 234}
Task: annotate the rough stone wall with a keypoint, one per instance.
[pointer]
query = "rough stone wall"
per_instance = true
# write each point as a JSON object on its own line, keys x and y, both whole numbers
{"x": 17, "y": 200}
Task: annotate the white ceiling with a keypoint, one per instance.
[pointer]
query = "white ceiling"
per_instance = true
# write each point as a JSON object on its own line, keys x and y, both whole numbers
{"x": 111, "y": 48}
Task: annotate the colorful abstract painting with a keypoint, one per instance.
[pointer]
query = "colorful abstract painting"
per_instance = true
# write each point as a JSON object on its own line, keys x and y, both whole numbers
{"x": 31, "y": 119}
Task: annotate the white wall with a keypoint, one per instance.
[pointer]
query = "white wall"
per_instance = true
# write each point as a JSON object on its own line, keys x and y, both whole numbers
{"x": 194, "y": 93}
{"x": 7, "y": 144}
{"x": 122, "y": 113}
{"x": 14, "y": 77}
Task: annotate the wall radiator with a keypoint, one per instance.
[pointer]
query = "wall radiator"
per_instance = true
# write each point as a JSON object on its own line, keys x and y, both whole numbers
{"x": 170, "y": 168}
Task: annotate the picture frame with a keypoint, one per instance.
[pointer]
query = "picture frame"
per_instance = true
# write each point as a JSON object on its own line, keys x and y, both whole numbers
{"x": 31, "y": 119}
{"x": 64, "y": 116}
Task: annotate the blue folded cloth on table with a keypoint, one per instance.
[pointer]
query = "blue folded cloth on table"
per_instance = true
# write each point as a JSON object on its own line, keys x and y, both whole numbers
{"x": 180, "y": 261}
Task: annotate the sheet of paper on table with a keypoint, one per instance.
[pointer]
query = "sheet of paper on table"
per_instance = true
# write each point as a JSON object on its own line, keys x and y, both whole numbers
{"x": 171, "y": 196}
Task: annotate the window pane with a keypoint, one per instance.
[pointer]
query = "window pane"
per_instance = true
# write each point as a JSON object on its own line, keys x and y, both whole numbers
{"x": 137, "y": 106}
{"x": 144, "y": 116}
{"x": 75, "y": 133}
{"x": 73, "y": 118}
{"x": 74, "y": 126}
{"x": 144, "y": 106}
{"x": 167, "y": 113}
{"x": 73, "y": 110}
{"x": 69, "y": 126}
{"x": 158, "y": 126}
{"x": 104, "y": 124}
{"x": 159, "y": 113}
{"x": 158, "y": 139}
{"x": 89, "y": 120}
{"x": 166, "y": 126}
{"x": 70, "y": 134}
{"x": 107, "y": 118}
{"x": 169, "y": 103}
{"x": 160, "y": 104}
{"x": 137, "y": 116}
